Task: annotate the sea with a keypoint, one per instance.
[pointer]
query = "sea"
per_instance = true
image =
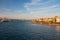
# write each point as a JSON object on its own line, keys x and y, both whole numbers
{"x": 26, "y": 30}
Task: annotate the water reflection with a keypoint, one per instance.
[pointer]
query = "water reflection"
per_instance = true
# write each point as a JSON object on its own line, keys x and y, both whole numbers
{"x": 57, "y": 31}
{"x": 25, "y": 30}
{"x": 58, "y": 28}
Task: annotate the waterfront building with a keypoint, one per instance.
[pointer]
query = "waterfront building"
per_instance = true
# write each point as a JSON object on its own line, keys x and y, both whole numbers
{"x": 45, "y": 19}
{"x": 51, "y": 20}
{"x": 58, "y": 19}
{"x": 55, "y": 19}
{"x": 41, "y": 19}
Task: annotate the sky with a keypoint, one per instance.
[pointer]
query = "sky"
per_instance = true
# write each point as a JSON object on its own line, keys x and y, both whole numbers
{"x": 29, "y": 9}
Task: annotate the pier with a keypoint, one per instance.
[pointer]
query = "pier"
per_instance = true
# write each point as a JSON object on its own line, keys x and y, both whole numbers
{"x": 4, "y": 20}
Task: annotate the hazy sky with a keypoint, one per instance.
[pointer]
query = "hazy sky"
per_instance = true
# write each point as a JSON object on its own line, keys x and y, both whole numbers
{"x": 26, "y": 9}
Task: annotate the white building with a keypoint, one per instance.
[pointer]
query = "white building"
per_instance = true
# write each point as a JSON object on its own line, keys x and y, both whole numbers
{"x": 57, "y": 19}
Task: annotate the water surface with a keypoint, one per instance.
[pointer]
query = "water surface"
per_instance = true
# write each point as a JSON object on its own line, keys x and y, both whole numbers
{"x": 25, "y": 30}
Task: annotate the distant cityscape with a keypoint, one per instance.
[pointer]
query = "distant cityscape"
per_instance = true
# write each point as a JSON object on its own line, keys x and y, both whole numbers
{"x": 53, "y": 20}
{"x": 4, "y": 19}
{"x": 50, "y": 20}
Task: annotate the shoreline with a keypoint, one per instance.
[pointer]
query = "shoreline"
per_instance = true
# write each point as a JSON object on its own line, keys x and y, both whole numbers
{"x": 50, "y": 24}
{"x": 54, "y": 24}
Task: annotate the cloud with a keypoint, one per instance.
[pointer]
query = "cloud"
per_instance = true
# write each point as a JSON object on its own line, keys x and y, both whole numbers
{"x": 5, "y": 9}
{"x": 34, "y": 9}
{"x": 38, "y": 5}
{"x": 36, "y": 1}
{"x": 18, "y": 11}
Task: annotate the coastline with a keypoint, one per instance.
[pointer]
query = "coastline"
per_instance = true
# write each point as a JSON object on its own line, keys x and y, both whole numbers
{"x": 53, "y": 24}
{"x": 53, "y": 21}
{"x": 42, "y": 23}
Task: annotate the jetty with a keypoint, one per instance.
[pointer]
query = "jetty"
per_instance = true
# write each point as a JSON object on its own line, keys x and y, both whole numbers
{"x": 4, "y": 20}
